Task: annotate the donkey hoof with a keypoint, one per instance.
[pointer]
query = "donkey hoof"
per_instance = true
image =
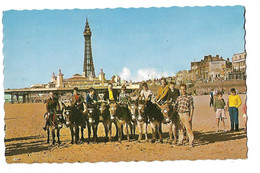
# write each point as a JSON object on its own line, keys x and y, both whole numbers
{"x": 153, "y": 140}
{"x": 161, "y": 141}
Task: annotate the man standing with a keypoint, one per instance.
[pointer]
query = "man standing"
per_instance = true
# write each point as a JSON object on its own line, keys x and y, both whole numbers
{"x": 185, "y": 108}
{"x": 163, "y": 91}
{"x": 52, "y": 106}
{"x": 77, "y": 100}
{"x": 173, "y": 93}
{"x": 110, "y": 93}
{"x": 234, "y": 101}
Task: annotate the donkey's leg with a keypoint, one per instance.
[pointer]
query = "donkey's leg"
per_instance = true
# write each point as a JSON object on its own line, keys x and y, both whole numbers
{"x": 119, "y": 126}
{"x": 106, "y": 131}
{"x": 95, "y": 133}
{"x": 77, "y": 134}
{"x": 140, "y": 126}
{"x": 127, "y": 132}
{"x": 170, "y": 132}
{"x": 89, "y": 132}
{"x": 110, "y": 131}
{"x": 48, "y": 135}
{"x": 153, "y": 125}
{"x": 174, "y": 129}
{"x": 146, "y": 132}
{"x": 160, "y": 132}
{"x": 58, "y": 135}
{"x": 53, "y": 135}
{"x": 72, "y": 134}
{"x": 82, "y": 133}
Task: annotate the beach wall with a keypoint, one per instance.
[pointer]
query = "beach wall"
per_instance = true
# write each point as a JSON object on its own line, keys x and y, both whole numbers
{"x": 204, "y": 88}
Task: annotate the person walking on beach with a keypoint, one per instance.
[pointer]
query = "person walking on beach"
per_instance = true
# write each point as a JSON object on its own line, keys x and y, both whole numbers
{"x": 52, "y": 106}
{"x": 234, "y": 101}
{"x": 211, "y": 98}
{"x": 245, "y": 115}
{"x": 185, "y": 108}
{"x": 219, "y": 105}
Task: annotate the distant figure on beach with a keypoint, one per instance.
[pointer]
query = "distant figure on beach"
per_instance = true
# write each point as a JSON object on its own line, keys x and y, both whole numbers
{"x": 162, "y": 92}
{"x": 219, "y": 105}
{"x": 211, "y": 98}
{"x": 234, "y": 101}
{"x": 52, "y": 106}
{"x": 245, "y": 115}
{"x": 91, "y": 96}
{"x": 185, "y": 108}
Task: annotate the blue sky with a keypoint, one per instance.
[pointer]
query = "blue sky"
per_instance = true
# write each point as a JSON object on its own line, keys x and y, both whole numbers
{"x": 132, "y": 43}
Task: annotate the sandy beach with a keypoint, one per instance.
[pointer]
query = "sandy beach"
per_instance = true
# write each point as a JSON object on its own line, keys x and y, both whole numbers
{"x": 25, "y": 140}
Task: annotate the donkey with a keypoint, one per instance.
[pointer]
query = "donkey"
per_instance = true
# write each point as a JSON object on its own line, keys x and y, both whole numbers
{"x": 91, "y": 114}
{"x": 171, "y": 119}
{"x": 55, "y": 122}
{"x": 121, "y": 116}
{"x": 142, "y": 120}
{"x": 132, "y": 106}
{"x": 155, "y": 118}
{"x": 75, "y": 119}
{"x": 103, "y": 116}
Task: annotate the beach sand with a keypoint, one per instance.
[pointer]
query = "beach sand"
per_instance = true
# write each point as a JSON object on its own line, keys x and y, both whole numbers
{"x": 25, "y": 140}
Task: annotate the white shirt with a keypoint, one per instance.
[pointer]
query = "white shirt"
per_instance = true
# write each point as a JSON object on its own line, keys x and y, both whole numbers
{"x": 146, "y": 94}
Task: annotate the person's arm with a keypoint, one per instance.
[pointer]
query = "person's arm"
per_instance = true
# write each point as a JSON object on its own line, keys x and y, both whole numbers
{"x": 95, "y": 97}
{"x": 58, "y": 105}
{"x": 81, "y": 100}
{"x": 47, "y": 105}
{"x": 164, "y": 94}
{"x": 228, "y": 103}
{"x": 87, "y": 99}
{"x": 191, "y": 114}
{"x": 239, "y": 101}
{"x": 191, "y": 109}
{"x": 158, "y": 94}
{"x": 214, "y": 105}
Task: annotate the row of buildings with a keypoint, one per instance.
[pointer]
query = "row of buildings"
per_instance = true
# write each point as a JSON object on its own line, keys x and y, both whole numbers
{"x": 214, "y": 68}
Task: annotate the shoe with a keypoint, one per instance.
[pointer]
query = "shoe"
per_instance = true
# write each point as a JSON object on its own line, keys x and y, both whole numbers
{"x": 217, "y": 130}
{"x": 44, "y": 128}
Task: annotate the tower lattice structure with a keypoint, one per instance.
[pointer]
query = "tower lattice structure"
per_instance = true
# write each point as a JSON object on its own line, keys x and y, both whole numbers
{"x": 88, "y": 68}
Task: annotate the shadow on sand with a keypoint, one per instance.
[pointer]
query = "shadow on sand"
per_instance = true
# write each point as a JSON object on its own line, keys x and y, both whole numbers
{"x": 33, "y": 144}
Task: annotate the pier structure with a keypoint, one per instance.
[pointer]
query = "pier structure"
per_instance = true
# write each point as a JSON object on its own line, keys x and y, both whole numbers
{"x": 27, "y": 93}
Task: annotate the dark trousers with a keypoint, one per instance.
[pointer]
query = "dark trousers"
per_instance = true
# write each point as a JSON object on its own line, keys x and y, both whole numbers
{"x": 233, "y": 113}
{"x": 211, "y": 102}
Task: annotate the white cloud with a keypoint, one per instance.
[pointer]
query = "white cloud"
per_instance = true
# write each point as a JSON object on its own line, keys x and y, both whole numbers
{"x": 126, "y": 74}
{"x": 143, "y": 74}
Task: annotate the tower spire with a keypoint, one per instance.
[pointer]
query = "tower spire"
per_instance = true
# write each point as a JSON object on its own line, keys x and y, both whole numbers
{"x": 88, "y": 68}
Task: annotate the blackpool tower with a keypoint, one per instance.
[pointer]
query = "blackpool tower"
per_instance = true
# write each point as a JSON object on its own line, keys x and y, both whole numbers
{"x": 88, "y": 68}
